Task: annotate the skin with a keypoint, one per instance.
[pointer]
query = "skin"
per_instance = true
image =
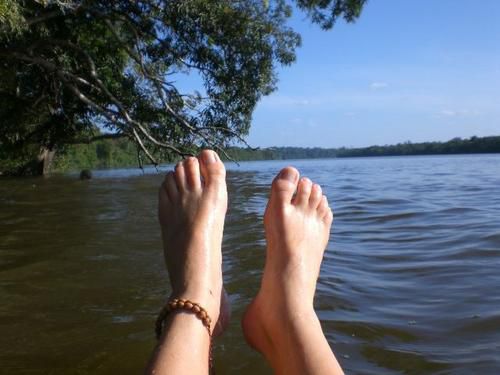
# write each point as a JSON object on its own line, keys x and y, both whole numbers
{"x": 191, "y": 214}
{"x": 280, "y": 322}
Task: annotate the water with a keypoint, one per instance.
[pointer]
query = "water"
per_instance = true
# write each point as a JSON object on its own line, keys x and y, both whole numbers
{"x": 410, "y": 282}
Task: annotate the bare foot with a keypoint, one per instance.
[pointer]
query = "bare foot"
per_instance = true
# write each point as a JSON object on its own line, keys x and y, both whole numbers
{"x": 192, "y": 208}
{"x": 297, "y": 231}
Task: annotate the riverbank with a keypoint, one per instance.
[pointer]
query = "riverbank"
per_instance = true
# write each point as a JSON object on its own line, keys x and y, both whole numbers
{"x": 473, "y": 145}
{"x": 120, "y": 153}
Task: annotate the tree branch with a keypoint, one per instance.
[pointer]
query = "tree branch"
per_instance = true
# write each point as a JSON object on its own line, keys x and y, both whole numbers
{"x": 44, "y": 17}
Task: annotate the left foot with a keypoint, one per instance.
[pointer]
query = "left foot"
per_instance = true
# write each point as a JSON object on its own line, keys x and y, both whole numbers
{"x": 191, "y": 213}
{"x": 297, "y": 224}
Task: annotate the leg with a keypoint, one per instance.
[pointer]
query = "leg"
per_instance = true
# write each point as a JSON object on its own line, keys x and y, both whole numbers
{"x": 191, "y": 213}
{"x": 281, "y": 322}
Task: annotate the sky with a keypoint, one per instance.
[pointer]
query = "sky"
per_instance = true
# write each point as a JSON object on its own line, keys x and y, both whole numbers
{"x": 413, "y": 70}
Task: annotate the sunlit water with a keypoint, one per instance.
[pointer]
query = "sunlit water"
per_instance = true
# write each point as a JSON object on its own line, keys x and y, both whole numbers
{"x": 410, "y": 283}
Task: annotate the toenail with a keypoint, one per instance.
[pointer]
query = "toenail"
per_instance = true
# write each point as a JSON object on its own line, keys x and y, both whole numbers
{"x": 209, "y": 157}
{"x": 288, "y": 174}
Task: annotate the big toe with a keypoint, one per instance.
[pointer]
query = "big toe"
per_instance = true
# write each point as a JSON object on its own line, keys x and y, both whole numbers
{"x": 212, "y": 169}
{"x": 284, "y": 185}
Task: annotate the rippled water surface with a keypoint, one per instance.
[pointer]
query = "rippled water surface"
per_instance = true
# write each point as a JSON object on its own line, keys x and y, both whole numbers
{"x": 410, "y": 282}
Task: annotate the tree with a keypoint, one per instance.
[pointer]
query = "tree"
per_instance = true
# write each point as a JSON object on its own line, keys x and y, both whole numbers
{"x": 77, "y": 71}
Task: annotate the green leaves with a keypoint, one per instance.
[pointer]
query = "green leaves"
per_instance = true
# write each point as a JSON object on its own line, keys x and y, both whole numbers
{"x": 327, "y": 12}
{"x": 11, "y": 19}
{"x": 67, "y": 67}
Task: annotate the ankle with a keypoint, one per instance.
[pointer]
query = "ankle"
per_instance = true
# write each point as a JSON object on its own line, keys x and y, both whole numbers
{"x": 283, "y": 314}
{"x": 293, "y": 318}
{"x": 279, "y": 329}
{"x": 209, "y": 299}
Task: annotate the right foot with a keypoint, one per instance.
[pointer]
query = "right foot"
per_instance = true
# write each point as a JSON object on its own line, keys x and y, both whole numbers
{"x": 297, "y": 223}
{"x": 191, "y": 213}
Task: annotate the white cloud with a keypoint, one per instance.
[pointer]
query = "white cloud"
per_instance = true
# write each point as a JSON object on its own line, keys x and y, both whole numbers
{"x": 378, "y": 85}
{"x": 280, "y": 101}
{"x": 448, "y": 113}
{"x": 350, "y": 102}
{"x": 460, "y": 113}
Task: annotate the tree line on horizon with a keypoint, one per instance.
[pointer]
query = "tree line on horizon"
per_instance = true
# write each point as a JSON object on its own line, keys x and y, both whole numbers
{"x": 472, "y": 145}
{"x": 115, "y": 153}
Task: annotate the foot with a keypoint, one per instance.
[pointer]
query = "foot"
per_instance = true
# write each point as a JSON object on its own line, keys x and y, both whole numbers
{"x": 192, "y": 208}
{"x": 297, "y": 223}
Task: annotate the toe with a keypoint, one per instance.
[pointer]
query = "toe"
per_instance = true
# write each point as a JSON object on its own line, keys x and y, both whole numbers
{"x": 192, "y": 172}
{"x": 303, "y": 192}
{"x": 316, "y": 195}
{"x": 170, "y": 186}
{"x": 323, "y": 207}
{"x": 180, "y": 176}
{"x": 328, "y": 218}
{"x": 284, "y": 185}
{"x": 211, "y": 168}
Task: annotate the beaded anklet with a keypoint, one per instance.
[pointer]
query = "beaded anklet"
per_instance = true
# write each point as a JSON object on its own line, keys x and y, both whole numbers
{"x": 190, "y": 307}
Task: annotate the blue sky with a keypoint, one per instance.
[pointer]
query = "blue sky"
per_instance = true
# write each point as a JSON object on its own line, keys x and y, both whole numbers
{"x": 419, "y": 70}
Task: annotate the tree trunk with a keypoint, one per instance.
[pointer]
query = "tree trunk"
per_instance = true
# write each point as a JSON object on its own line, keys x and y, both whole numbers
{"x": 44, "y": 161}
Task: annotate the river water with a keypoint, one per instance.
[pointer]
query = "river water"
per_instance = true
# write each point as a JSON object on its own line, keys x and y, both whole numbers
{"x": 410, "y": 282}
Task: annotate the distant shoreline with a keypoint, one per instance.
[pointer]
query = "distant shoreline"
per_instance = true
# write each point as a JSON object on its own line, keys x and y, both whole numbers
{"x": 362, "y": 157}
{"x": 456, "y": 146}
{"x": 110, "y": 154}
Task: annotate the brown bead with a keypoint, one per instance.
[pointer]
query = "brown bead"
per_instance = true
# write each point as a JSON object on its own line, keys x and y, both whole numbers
{"x": 180, "y": 303}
